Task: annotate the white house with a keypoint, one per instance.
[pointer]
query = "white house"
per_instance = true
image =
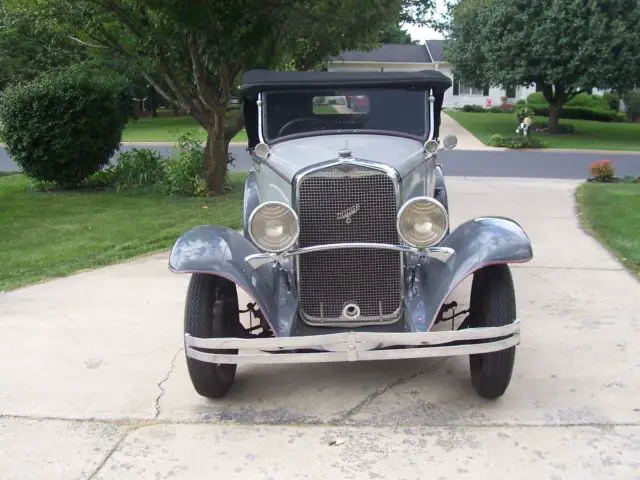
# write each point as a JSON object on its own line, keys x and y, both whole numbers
{"x": 412, "y": 57}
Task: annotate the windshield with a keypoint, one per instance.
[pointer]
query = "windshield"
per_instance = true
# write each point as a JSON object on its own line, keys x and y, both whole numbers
{"x": 347, "y": 110}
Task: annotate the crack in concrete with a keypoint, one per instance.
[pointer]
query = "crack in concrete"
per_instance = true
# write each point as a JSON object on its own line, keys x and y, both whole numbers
{"x": 368, "y": 400}
{"x": 135, "y": 424}
{"x": 161, "y": 383}
{"x": 113, "y": 450}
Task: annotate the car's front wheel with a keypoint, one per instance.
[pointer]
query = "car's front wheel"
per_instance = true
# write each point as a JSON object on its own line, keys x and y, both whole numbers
{"x": 211, "y": 312}
{"x": 493, "y": 304}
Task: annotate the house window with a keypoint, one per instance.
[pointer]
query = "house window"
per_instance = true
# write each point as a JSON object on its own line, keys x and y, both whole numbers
{"x": 469, "y": 90}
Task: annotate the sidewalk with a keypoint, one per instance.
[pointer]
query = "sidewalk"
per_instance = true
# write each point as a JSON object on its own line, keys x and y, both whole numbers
{"x": 466, "y": 141}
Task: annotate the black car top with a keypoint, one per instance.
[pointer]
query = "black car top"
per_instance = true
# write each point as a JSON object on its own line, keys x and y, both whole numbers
{"x": 254, "y": 81}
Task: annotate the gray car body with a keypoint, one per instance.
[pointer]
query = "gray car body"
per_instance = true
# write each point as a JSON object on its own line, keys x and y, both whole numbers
{"x": 220, "y": 251}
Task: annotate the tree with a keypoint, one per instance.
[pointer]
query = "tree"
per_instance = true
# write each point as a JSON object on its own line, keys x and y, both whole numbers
{"x": 394, "y": 33}
{"x": 193, "y": 53}
{"x": 28, "y": 48}
{"x": 563, "y": 46}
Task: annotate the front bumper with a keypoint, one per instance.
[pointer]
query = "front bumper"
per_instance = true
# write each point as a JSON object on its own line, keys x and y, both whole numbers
{"x": 355, "y": 346}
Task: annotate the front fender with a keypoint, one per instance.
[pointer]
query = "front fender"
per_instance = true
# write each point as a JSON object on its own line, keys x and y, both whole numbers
{"x": 477, "y": 243}
{"x": 251, "y": 200}
{"x": 220, "y": 251}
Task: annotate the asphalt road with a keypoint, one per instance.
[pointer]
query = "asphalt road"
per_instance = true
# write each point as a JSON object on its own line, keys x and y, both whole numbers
{"x": 523, "y": 164}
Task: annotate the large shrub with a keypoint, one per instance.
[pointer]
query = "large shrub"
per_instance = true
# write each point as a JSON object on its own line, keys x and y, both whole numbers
{"x": 63, "y": 127}
{"x": 536, "y": 98}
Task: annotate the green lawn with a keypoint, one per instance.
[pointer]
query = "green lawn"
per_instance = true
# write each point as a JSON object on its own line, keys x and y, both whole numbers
{"x": 612, "y": 213}
{"x": 324, "y": 109}
{"x": 47, "y": 235}
{"x": 166, "y": 129}
{"x": 588, "y": 135}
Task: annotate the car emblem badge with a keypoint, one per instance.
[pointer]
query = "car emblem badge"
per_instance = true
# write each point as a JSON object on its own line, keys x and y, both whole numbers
{"x": 348, "y": 213}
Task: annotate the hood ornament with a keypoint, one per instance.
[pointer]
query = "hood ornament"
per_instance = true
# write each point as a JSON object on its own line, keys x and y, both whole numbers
{"x": 345, "y": 153}
{"x": 347, "y": 213}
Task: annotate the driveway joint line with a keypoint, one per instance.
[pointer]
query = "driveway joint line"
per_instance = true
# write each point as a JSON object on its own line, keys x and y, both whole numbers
{"x": 135, "y": 424}
{"x": 162, "y": 382}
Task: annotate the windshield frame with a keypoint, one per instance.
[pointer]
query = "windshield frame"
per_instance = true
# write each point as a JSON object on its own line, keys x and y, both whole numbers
{"x": 428, "y": 129}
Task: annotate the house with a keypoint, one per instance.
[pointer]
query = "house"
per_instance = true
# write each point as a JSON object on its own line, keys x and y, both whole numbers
{"x": 413, "y": 57}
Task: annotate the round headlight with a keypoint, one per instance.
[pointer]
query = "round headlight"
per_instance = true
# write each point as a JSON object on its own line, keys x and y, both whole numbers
{"x": 274, "y": 227}
{"x": 422, "y": 222}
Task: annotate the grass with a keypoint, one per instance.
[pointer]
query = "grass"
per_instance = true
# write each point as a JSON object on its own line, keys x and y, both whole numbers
{"x": 48, "y": 235}
{"x": 324, "y": 109}
{"x": 166, "y": 129}
{"x": 588, "y": 135}
{"x": 612, "y": 213}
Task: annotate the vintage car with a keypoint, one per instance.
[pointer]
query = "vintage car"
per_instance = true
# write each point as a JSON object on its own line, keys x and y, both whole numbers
{"x": 347, "y": 252}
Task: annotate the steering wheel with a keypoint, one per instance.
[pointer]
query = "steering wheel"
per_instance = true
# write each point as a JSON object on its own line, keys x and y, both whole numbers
{"x": 293, "y": 122}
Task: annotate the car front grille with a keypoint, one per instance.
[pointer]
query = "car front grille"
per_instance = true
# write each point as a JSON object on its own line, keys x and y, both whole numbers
{"x": 345, "y": 204}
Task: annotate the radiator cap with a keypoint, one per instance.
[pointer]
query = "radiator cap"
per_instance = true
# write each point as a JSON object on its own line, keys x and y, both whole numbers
{"x": 344, "y": 153}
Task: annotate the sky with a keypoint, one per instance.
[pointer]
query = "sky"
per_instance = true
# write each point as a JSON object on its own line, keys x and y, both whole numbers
{"x": 424, "y": 33}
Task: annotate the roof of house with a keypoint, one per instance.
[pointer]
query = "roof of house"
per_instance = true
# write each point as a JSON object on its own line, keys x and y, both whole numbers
{"x": 388, "y": 52}
{"x": 436, "y": 49}
{"x": 397, "y": 53}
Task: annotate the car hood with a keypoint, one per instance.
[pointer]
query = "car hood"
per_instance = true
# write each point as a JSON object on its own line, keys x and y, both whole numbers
{"x": 291, "y": 156}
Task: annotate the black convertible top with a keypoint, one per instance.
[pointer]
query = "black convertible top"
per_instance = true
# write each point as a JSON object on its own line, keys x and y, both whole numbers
{"x": 256, "y": 80}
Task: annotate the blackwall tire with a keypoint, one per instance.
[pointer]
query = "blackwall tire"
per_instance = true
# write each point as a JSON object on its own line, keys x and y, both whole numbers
{"x": 493, "y": 304}
{"x": 211, "y": 311}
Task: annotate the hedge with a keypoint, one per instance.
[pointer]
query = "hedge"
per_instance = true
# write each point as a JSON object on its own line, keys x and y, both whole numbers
{"x": 581, "y": 113}
{"x": 580, "y": 100}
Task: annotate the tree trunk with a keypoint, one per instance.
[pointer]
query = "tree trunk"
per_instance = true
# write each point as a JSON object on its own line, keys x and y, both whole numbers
{"x": 216, "y": 157}
{"x": 554, "y": 117}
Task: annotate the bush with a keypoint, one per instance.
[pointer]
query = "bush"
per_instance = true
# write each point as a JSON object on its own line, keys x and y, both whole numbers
{"x": 523, "y": 111}
{"x": 521, "y": 102}
{"x": 473, "y": 108}
{"x": 63, "y": 127}
{"x": 580, "y": 113}
{"x": 602, "y": 171}
{"x": 496, "y": 110}
{"x": 497, "y": 140}
{"x": 536, "y": 98}
{"x": 137, "y": 168}
{"x": 183, "y": 172}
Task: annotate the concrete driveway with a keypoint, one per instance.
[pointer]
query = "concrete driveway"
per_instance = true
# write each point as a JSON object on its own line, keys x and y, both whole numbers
{"x": 93, "y": 382}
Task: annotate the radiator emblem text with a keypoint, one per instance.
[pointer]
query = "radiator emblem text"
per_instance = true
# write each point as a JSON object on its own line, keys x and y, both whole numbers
{"x": 348, "y": 213}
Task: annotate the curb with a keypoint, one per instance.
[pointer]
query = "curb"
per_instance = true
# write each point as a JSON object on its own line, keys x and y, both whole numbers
{"x": 567, "y": 150}
{"x": 165, "y": 144}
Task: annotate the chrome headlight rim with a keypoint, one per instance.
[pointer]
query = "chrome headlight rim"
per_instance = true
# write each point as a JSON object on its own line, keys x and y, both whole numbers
{"x": 290, "y": 210}
{"x": 408, "y": 204}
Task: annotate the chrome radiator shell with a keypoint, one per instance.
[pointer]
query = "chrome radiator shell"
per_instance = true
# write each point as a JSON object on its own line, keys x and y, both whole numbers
{"x": 346, "y": 202}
